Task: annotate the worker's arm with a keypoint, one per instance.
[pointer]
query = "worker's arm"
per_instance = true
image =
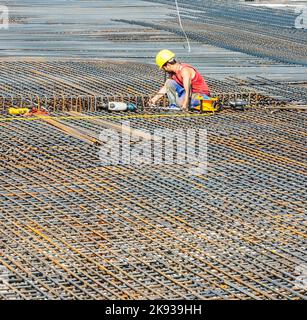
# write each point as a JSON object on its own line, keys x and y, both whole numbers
{"x": 187, "y": 75}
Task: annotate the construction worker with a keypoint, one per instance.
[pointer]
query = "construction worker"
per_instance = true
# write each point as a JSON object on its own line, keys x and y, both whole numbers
{"x": 184, "y": 84}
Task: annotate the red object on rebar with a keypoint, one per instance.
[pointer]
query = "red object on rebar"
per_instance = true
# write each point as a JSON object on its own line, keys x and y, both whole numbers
{"x": 37, "y": 112}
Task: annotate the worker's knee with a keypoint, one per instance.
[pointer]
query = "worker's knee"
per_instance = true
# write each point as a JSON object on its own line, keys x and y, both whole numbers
{"x": 173, "y": 86}
{"x": 170, "y": 84}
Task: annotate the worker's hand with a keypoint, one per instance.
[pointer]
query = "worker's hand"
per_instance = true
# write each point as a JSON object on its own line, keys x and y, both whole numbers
{"x": 184, "y": 107}
{"x": 153, "y": 101}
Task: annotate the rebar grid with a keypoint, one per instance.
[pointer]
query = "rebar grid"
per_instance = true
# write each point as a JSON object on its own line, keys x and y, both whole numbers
{"x": 89, "y": 85}
{"x": 72, "y": 228}
{"x": 231, "y": 26}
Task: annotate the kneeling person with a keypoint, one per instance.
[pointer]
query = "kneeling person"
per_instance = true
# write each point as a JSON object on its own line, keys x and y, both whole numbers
{"x": 184, "y": 82}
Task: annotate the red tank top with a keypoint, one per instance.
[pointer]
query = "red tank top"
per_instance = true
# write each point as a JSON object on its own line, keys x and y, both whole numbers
{"x": 198, "y": 83}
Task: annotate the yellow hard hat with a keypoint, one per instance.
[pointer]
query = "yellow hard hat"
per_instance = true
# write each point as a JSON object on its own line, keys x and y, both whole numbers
{"x": 163, "y": 56}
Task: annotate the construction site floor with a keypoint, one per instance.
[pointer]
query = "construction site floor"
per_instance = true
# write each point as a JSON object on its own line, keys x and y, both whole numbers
{"x": 72, "y": 227}
{"x": 75, "y": 227}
